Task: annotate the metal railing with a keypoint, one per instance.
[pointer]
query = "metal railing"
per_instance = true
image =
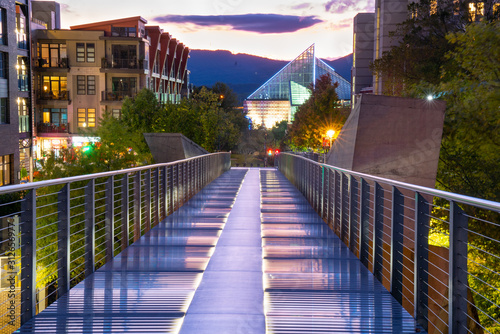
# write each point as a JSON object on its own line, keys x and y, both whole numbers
{"x": 55, "y": 233}
{"x": 438, "y": 253}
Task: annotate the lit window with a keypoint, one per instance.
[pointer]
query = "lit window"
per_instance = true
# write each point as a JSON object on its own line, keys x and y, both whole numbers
{"x": 116, "y": 113}
{"x": 5, "y": 170}
{"x": 86, "y": 118}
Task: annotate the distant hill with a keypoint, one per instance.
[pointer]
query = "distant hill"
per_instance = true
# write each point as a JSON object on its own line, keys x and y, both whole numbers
{"x": 242, "y": 72}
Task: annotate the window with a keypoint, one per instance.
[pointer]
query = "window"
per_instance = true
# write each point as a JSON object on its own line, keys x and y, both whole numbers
{"x": 52, "y": 55}
{"x": 22, "y": 74}
{"x": 3, "y": 26}
{"x": 124, "y": 56}
{"x": 476, "y": 10}
{"x": 3, "y": 65}
{"x": 56, "y": 116}
{"x": 22, "y": 40}
{"x": 80, "y": 85}
{"x": 4, "y": 111}
{"x": 125, "y": 86}
{"x": 5, "y": 170}
{"x": 116, "y": 113}
{"x": 24, "y": 118}
{"x": 91, "y": 84}
{"x": 123, "y": 31}
{"x": 86, "y": 118}
{"x": 90, "y": 53}
{"x": 55, "y": 87}
{"x": 80, "y": 52}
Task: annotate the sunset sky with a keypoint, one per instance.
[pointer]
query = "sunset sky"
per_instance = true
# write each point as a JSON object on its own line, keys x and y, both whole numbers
{"x": 277, "y": 29}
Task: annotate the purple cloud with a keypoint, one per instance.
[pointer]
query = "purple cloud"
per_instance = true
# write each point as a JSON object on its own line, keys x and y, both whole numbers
{"x": 302, "y": 5}
{"x": 259, "y": 23}
{"x": 342, "y": 6}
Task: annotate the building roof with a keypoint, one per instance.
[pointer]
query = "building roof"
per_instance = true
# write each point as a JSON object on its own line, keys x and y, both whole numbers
{"x": 109, "y": 22}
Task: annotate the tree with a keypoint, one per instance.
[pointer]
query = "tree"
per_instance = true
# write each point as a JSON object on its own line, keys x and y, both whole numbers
{"x": 422, "y": 45}
{"x": 321, "y": 112}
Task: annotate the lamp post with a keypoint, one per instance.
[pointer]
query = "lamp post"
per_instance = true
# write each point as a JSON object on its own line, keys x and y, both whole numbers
{"x": 221, "y": 97}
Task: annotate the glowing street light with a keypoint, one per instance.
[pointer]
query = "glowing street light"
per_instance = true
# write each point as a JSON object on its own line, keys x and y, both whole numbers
{"x": 330, "y": 133}
{"x": 430, "y": 97}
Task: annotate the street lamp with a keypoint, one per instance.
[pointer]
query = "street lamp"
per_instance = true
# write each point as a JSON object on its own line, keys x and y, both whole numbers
{"x": 330, "y": 134}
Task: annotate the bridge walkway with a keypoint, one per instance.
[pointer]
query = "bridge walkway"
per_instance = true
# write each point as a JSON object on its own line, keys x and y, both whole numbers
{"x": 247, "y": 254}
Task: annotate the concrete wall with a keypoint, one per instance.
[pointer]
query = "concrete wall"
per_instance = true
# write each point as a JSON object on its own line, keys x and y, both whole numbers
{"x": 167, "y": 147}
{"x": 391, "y": 137}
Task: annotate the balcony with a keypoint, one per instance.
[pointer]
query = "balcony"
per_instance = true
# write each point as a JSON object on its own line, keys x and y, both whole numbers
{"x": 53, "y": 62}
{"x": 123, "y": 64}
{"x": 52, "y": 128}
{"x": 24, "y": 123}
{"x": 117, "y": 95}
{"x": 54, "y": 95}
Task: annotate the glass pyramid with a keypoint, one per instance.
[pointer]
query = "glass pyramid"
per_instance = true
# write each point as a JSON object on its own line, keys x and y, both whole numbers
{"x": 292, "y": 82}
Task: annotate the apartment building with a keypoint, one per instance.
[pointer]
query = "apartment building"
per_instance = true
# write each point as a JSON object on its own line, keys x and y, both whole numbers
{"x": 15, "y": 91}
{"x": 88, "y": 70}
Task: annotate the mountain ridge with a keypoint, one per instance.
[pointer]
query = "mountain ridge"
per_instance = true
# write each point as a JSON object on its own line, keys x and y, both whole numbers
{"x": 244, "y": 73}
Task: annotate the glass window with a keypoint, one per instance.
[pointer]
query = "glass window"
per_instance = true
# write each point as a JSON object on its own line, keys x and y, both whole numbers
{"x": 80, "y": 52}
{"x": 116, "y": 113}
{"x": 3, "y": 65}
{"x": 22, "y": 74}
{"x": 86, "y": 118}
{"x": 4, "y": 113}
{"x": 80, "y": 85}
{"x": 82, "y": 117}
{"x": 123, "y": 31}
{"x": 91, "y": 84}
{"x": 46, "y": 116}
{"x": 90, "y": 52}
{"x": 3, "y": 23}
{"x": 5, "y": 170}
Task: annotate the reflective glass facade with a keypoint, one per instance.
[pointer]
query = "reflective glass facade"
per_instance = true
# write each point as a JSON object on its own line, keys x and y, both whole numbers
{"x": 292, "y": 84}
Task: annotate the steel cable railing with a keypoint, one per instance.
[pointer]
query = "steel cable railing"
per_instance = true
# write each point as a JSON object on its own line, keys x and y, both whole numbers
{"x": 438, "y": 253}
{"x": 55, "y": 233}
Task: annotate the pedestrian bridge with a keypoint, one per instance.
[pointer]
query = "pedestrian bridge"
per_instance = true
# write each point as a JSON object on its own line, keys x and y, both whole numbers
{"x": 305, "y": 248}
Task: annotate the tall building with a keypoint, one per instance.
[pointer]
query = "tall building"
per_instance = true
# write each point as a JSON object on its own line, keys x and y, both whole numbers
{"x": 361, "y": 75}
{"x": 278, "y": 98}
{"x": 87, "y": 71}
{"x": 15, "y": 91}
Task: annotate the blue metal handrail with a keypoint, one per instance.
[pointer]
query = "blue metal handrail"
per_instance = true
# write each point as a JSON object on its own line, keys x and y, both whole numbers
{"x": 55, "y": 233}
{"x": 438, "y": 253}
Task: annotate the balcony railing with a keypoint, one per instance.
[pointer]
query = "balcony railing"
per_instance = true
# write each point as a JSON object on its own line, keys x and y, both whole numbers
{"x": 118, "y": 95}
{"x": 57, "y": 232}
{"x": 54, "y": 95}
{"x": 438, "y": 253}
{"x": 53, "y": 62}
{"x": 52, "y": 128}
{"x": 123, "y": 63}
{"x": 24, "y": 123}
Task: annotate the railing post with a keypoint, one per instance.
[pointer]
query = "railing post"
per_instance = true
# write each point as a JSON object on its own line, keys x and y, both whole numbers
{"x": 457, "y": 298}
{"x": 170, "y": 189}
{"x": 364, "y": 223}
{"x": 147, "y": 199}
{"x": 137, "y": 206}
{"x": 331, "y": 198}
{"x": 125, "y": 216}
{"x": 28, "y": 257}
{"x": 353, "y": 192}
{"x": 63, "y": 242}
{"x": 344, "y": 207}
{"x": 157, "y": 197}
{"x": 337, "y": 223}
{"x": 397, "y": 221}
{"x": 378, "y": 226}
{"x": 90, "y": 228}
{"x": 421, "y": 261}
{"x": 109, "y": 218}
{"x": 164, "y": 193}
